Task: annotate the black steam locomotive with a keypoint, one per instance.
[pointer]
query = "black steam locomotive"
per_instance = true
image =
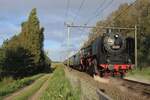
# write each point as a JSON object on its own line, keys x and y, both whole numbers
{"x": 111, "y": 54}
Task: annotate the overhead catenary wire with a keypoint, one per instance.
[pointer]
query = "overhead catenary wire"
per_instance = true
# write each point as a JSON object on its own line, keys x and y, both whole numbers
{"x": 97, "y": 9}
{"x": 101, "y": 10}
{"x": 67, "y": 9}
{"x": 123, "y": 12}
{"x": 95, "y": 12}
{"x": 78, "y": 11}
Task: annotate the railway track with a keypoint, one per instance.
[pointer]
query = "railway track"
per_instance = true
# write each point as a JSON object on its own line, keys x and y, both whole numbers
{"x": 138, "y": 87}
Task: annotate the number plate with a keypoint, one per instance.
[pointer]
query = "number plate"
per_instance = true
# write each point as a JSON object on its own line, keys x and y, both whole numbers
{"x": 116, "y": 47}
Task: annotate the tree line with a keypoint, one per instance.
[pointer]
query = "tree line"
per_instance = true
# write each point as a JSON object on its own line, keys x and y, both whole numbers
{"x": 129, "y": 16}
{"x": 23, "y": 54}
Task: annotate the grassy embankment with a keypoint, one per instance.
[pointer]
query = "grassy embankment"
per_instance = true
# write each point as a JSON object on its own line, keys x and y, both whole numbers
{"x": 144, "y": 73}
{"x": 59, "y": 87}
{"x": 8, "y": 85}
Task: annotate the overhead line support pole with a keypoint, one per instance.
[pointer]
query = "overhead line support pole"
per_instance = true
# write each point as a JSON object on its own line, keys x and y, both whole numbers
{"x": 135, "y": 35}
{"x": 68, "y": 42}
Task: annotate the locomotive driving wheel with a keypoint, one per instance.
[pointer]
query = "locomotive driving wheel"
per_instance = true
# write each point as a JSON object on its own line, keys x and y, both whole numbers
{"x": 95, "y": 67}
{"x": 90, "y": 69}
{"x": 101, "y": 71}
{"x": 121, "y": 71}
{"x": 113, "y": 73}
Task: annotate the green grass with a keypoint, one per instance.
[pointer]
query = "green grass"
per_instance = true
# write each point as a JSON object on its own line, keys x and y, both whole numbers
{"x": 145, "y": 73}
{"x": 60, "y": 88}
{"x": 16, "y": 85}
{"x": 24, "y": 95}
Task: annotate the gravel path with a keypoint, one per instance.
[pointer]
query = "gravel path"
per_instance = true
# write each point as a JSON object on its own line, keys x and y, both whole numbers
{"x": 39, "y": 93}
{"x": 25, "y": 89}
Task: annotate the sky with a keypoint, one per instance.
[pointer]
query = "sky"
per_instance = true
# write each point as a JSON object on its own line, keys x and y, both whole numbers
{"x": 53, "y": 14}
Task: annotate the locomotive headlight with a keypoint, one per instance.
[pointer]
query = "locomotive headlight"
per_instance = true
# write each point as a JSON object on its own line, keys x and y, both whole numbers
{"x": 116, "y": 36}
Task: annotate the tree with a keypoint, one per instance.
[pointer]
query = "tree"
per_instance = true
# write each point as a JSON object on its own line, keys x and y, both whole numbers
{"x": 24, "y": 54}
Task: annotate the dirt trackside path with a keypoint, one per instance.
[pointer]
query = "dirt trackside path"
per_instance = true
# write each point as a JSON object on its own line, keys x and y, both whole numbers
{"x": 28, "y": 91}
{"x": 39, "y": 93}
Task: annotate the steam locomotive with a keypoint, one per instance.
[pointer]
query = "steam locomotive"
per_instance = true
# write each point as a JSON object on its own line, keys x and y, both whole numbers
{"x": 111, "y": 54}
